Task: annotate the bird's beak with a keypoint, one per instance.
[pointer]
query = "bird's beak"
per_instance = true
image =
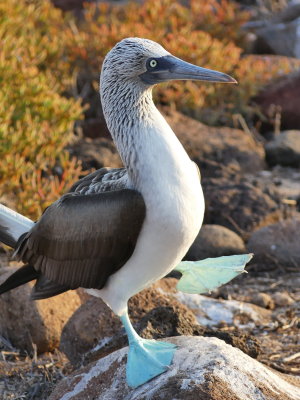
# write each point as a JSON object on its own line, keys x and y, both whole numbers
{"x": 172, "y": 68}
{"x": 183, "y": 70}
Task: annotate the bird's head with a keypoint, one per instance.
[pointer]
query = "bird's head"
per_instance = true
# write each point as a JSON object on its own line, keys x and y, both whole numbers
{"x": 149, "y": 63}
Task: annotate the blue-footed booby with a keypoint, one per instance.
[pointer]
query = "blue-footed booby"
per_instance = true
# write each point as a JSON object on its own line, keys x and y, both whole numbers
{"x": 119, "y": 230}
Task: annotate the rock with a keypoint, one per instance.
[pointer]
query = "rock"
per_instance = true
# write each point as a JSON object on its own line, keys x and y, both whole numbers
{"x": 284, "y": 149}
{"x": 94, "y": 128}
{"x": 262, "y": 300}
{"x": 283, "y": 181}
{"x": 203, "y": 368}
{"x": 212, "y": 312}
{"x": 215, "y": 241}
{"x": 169, "y": 321}
{"x": 208, "y": 147}
{"x": 94, "y": 330}
{"x": 67, "y": 5}
{"x": 158, "y": 295}
{"x": 248, "y": 344}
{"x": 97, "y": 153}
{"x": 276, "y": 36}
{"x": 281, "y": 95}
{"x": 283, "y": 299}
{"x": 277, "y": 244}
{"x": 239, "y": 205}
{"x": 27, "y": 323}
{"x": 289, "y": 13}
{"x": 184, "y": 323}
{"x": 4, "y": 259}
{"x": 92, "y": 324}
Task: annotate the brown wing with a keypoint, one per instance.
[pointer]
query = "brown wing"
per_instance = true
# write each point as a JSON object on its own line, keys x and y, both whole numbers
{"x": 81, "y": 240}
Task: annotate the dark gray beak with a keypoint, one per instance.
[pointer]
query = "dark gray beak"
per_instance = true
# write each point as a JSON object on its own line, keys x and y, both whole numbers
{"x": 172, "y": 68}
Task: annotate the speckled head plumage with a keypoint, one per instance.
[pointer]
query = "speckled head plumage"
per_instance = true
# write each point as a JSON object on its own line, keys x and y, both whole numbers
{"x": 129, "y": 57}
{"x": 125, "y": 96}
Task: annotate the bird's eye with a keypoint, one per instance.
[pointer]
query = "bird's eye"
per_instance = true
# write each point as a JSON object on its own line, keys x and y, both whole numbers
{"x": 153, "y": 63}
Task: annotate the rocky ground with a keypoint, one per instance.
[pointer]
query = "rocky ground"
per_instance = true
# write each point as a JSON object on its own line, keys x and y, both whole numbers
{"x": 251, "y": 183}
{"x": 258, "y": 313}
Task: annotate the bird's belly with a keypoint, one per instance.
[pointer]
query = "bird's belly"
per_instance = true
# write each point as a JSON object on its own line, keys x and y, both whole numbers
{"x": 172, "y": 222}
{"x": 176, "y": 223}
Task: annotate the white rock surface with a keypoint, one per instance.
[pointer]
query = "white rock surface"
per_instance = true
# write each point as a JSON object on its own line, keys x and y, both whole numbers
{"x": 203, "y": 368}
{"x": 284, "y": 149}
{"x": 285, "y": 181}
{"x": 212, "y": 312}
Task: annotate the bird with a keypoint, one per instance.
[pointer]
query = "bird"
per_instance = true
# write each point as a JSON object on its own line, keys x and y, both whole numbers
{"x": 116, "y": 231}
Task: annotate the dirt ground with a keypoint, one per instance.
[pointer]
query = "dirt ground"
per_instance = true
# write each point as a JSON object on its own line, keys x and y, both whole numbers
{"x": 280, "y": 341}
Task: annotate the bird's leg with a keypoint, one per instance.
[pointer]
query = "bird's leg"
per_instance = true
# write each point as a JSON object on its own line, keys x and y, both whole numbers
{"x": 146, "y": 358}
{"x": 205, "y": 275}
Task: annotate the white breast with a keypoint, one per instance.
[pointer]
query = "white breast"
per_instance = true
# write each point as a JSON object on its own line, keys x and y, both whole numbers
{"x": 169, "y": 182}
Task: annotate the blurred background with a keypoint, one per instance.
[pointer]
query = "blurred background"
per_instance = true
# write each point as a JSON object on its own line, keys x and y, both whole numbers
{"x": 52, "y": 128}
{"x": 245, "y": 138}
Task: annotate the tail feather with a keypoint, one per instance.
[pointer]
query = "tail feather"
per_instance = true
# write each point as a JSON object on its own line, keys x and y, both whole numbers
{"x": 43, "y": 289}
{"x": 13, "y": 230}
{"x": 12, "y": 226}
{"x": 23, "y": 275}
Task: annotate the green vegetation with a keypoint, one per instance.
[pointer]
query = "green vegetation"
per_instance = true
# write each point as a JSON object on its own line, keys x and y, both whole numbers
{"x": 42, "y": 50}
{"x": 36, "y": 121}
{"x": 207, "y": 33}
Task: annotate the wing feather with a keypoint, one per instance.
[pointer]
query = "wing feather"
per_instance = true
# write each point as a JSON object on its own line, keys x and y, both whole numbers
{"x": 81, "y": 240}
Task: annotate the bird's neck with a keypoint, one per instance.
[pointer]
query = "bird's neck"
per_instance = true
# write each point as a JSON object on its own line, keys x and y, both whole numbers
{"x": 146, "y": 143}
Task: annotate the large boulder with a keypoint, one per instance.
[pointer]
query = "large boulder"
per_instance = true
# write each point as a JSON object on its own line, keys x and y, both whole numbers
{"x": 211, "y": 147}
{"x": 67, "y": 5}
{"x": 289, "y": 13}
{"x": 283, "y": 95}
{"x": 91, "y": 326}
{"x": 239, "y": 205}
{"x": 202, "y": 369}
{"x": 277, "y": 34}
{"x": 278, "y": 244}
{"x": 215, "y": 241}
{"x": 32, "y": 324}
{"x": 280, "y": 38}
{"x": 284, "y": 149}
{"x": 97, "y": 153}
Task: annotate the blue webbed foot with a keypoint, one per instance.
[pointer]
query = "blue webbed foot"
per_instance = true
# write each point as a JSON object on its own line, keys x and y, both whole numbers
{"x": 205, "y": 275}
{"x": 146, "y": 358}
